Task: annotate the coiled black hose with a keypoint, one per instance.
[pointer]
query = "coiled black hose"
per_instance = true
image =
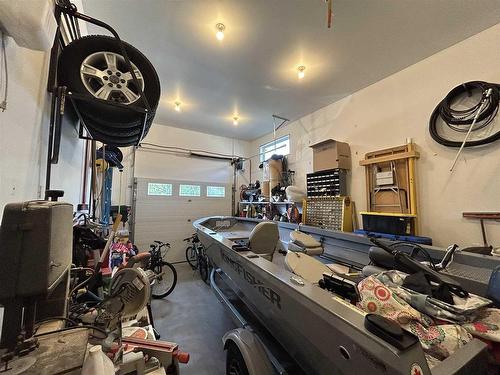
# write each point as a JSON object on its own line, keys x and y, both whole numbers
{"x": 460, "y": 120}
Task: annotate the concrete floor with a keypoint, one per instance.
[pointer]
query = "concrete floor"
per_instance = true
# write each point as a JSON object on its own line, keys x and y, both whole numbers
{"x": 193, "y": 318}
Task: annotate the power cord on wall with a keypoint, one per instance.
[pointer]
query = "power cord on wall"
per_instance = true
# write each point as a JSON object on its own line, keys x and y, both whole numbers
{"x": 4, "y": 77}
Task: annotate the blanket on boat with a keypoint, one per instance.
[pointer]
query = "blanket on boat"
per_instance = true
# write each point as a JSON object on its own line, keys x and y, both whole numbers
{"x": 440, "y": 327}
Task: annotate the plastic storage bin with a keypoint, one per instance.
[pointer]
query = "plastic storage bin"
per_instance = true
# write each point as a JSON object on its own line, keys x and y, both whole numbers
{"x": 388, "y": 223}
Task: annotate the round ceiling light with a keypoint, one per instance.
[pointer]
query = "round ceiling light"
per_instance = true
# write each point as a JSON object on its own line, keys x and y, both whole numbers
{"x": 177, "y": 105}
{"x": 220, "y": 31}
{"x": 235, "y": 120}
{"x": 300, "y": 71}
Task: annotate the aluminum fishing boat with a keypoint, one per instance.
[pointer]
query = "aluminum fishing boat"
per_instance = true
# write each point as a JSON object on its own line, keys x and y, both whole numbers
{"x": 323, "y": 333}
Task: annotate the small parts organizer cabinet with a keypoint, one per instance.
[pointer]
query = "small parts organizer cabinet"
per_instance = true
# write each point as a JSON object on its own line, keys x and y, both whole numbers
{"x": 327, "y": 184}
{"x": 329, "y": 213}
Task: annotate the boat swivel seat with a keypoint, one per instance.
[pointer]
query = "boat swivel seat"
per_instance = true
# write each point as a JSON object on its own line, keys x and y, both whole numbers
{"x": 264, "y": 239}
{"x": 305, "y": 266}
{"x": 380, "y": 260}
{"x": 303, "y": 243}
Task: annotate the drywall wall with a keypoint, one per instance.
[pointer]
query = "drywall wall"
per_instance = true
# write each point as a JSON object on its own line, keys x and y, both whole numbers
{"x": 388, "y": 112}
{"x": 21, "y": 131}
{"x": 161, "y": 165}
{"x": 24, "y": 134}
{"x": 175, "y": 166}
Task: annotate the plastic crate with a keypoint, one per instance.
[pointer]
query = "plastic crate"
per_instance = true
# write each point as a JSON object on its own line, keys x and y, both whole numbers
{"x": 401, "y": 225}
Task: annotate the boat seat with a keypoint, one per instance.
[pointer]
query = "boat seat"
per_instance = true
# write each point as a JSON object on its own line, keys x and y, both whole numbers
{"x": 304, "y": 243}
{"x": 305, "y": 266}
{"x": 306, "y": 250}
{"x": 263, "y": 239}
{"x": 381, "y": 261}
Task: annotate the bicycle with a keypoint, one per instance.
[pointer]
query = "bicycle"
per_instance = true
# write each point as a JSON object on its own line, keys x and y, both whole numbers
{"x": 196, "y": 256}
{"x": 166, "y": 275}
{"x": 193, "y": 250}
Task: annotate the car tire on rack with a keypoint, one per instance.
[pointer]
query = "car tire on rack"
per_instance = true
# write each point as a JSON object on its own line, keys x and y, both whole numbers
{"x": 93, "y": 66}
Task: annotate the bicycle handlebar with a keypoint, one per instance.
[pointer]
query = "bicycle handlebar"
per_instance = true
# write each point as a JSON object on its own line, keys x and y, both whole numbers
{"x": 193, "y": 236}
{"x": 160, "y": 244}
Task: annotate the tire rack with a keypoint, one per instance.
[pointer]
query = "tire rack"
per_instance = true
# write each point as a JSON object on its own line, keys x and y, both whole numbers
{"x": 66, "y": 13}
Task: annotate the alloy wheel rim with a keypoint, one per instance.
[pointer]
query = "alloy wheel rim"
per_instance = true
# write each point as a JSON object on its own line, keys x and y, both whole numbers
{"x": 106, "y": 76}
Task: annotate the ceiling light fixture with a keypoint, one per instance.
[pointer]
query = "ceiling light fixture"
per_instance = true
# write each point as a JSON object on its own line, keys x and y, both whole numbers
{"x": 235, "y": 120}
{"x": 220, "y": 31}
{"x": 300, "y": 72}
{"x": 177, "y": 106}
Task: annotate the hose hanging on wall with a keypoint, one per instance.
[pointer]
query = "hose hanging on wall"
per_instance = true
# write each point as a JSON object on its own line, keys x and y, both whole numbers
{"x": 461, "y": 120}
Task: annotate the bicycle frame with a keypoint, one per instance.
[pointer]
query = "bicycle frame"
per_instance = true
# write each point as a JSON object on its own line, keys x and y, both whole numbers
{"x": 156, "y": 255}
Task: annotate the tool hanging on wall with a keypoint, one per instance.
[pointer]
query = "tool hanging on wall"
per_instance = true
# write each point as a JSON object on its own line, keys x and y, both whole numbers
{"x": 329, "y": 12}
{"x": 4, "y": 73}
{"x": 107, "y": 158}
{"x": 447, "y": 121}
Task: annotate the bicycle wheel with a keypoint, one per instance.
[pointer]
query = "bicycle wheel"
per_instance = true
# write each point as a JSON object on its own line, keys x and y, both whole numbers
{"x": 192, "y": 257}
{"x": 165, "y": 281}
{"x": 203, "y": 268}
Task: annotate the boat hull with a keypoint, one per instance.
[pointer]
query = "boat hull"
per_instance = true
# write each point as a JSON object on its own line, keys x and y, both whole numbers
{"x": 323, "y": 333}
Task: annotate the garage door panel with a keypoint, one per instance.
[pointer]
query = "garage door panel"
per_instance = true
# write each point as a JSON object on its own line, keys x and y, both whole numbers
{"x": 169, "y": 218}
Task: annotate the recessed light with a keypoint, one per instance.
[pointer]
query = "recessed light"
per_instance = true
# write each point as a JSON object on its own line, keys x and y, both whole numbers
{"x": 220, "y": 31}
{"x": 300, "y": 71}
{"x": 177, "y": 106}
{"x": 235, "y": 120}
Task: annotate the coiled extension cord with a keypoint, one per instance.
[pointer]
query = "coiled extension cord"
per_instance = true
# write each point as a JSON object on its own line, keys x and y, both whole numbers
{"x": 460, "y": 120}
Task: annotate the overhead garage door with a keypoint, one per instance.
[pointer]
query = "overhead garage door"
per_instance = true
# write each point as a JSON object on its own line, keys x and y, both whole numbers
{"x": 165, "y": 209}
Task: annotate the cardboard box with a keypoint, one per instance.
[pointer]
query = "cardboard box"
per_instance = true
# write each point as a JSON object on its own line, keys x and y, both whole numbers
{"x": 330, "y": 154}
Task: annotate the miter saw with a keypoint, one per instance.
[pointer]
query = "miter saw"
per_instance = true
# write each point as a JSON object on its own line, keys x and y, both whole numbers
{"x": 129, "y": 294}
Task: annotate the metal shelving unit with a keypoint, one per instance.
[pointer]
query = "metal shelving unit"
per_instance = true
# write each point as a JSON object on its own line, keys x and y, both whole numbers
{"x": 264, "y": 203}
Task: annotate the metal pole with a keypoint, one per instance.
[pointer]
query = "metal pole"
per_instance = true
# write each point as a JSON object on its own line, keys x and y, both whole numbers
{"x": 49, "y": 146}
{"x": 233, "y": 198}
{"x": 85, "y": 172}
{"x": 93, "y": 179}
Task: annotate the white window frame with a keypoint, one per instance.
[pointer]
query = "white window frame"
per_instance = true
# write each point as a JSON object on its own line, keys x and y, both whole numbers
{"x": 160, "y": 195}
{"x": 270, "y": 148}
{"x": 189, "y": 196}
{"x": 216, "y": 196}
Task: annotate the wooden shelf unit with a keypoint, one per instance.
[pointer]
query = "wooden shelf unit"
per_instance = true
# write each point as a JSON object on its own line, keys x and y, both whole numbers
{"x": 400, "y": 197}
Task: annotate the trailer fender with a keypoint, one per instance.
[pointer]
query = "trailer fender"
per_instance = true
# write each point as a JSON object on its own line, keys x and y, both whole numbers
{"x": 251, "y": 349}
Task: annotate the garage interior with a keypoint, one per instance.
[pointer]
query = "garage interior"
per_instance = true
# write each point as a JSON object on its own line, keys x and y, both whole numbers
{"x": 249, "y": 187}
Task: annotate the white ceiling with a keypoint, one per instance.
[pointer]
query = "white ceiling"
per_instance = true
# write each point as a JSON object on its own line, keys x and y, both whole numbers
{"x": 253, "y": 70}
